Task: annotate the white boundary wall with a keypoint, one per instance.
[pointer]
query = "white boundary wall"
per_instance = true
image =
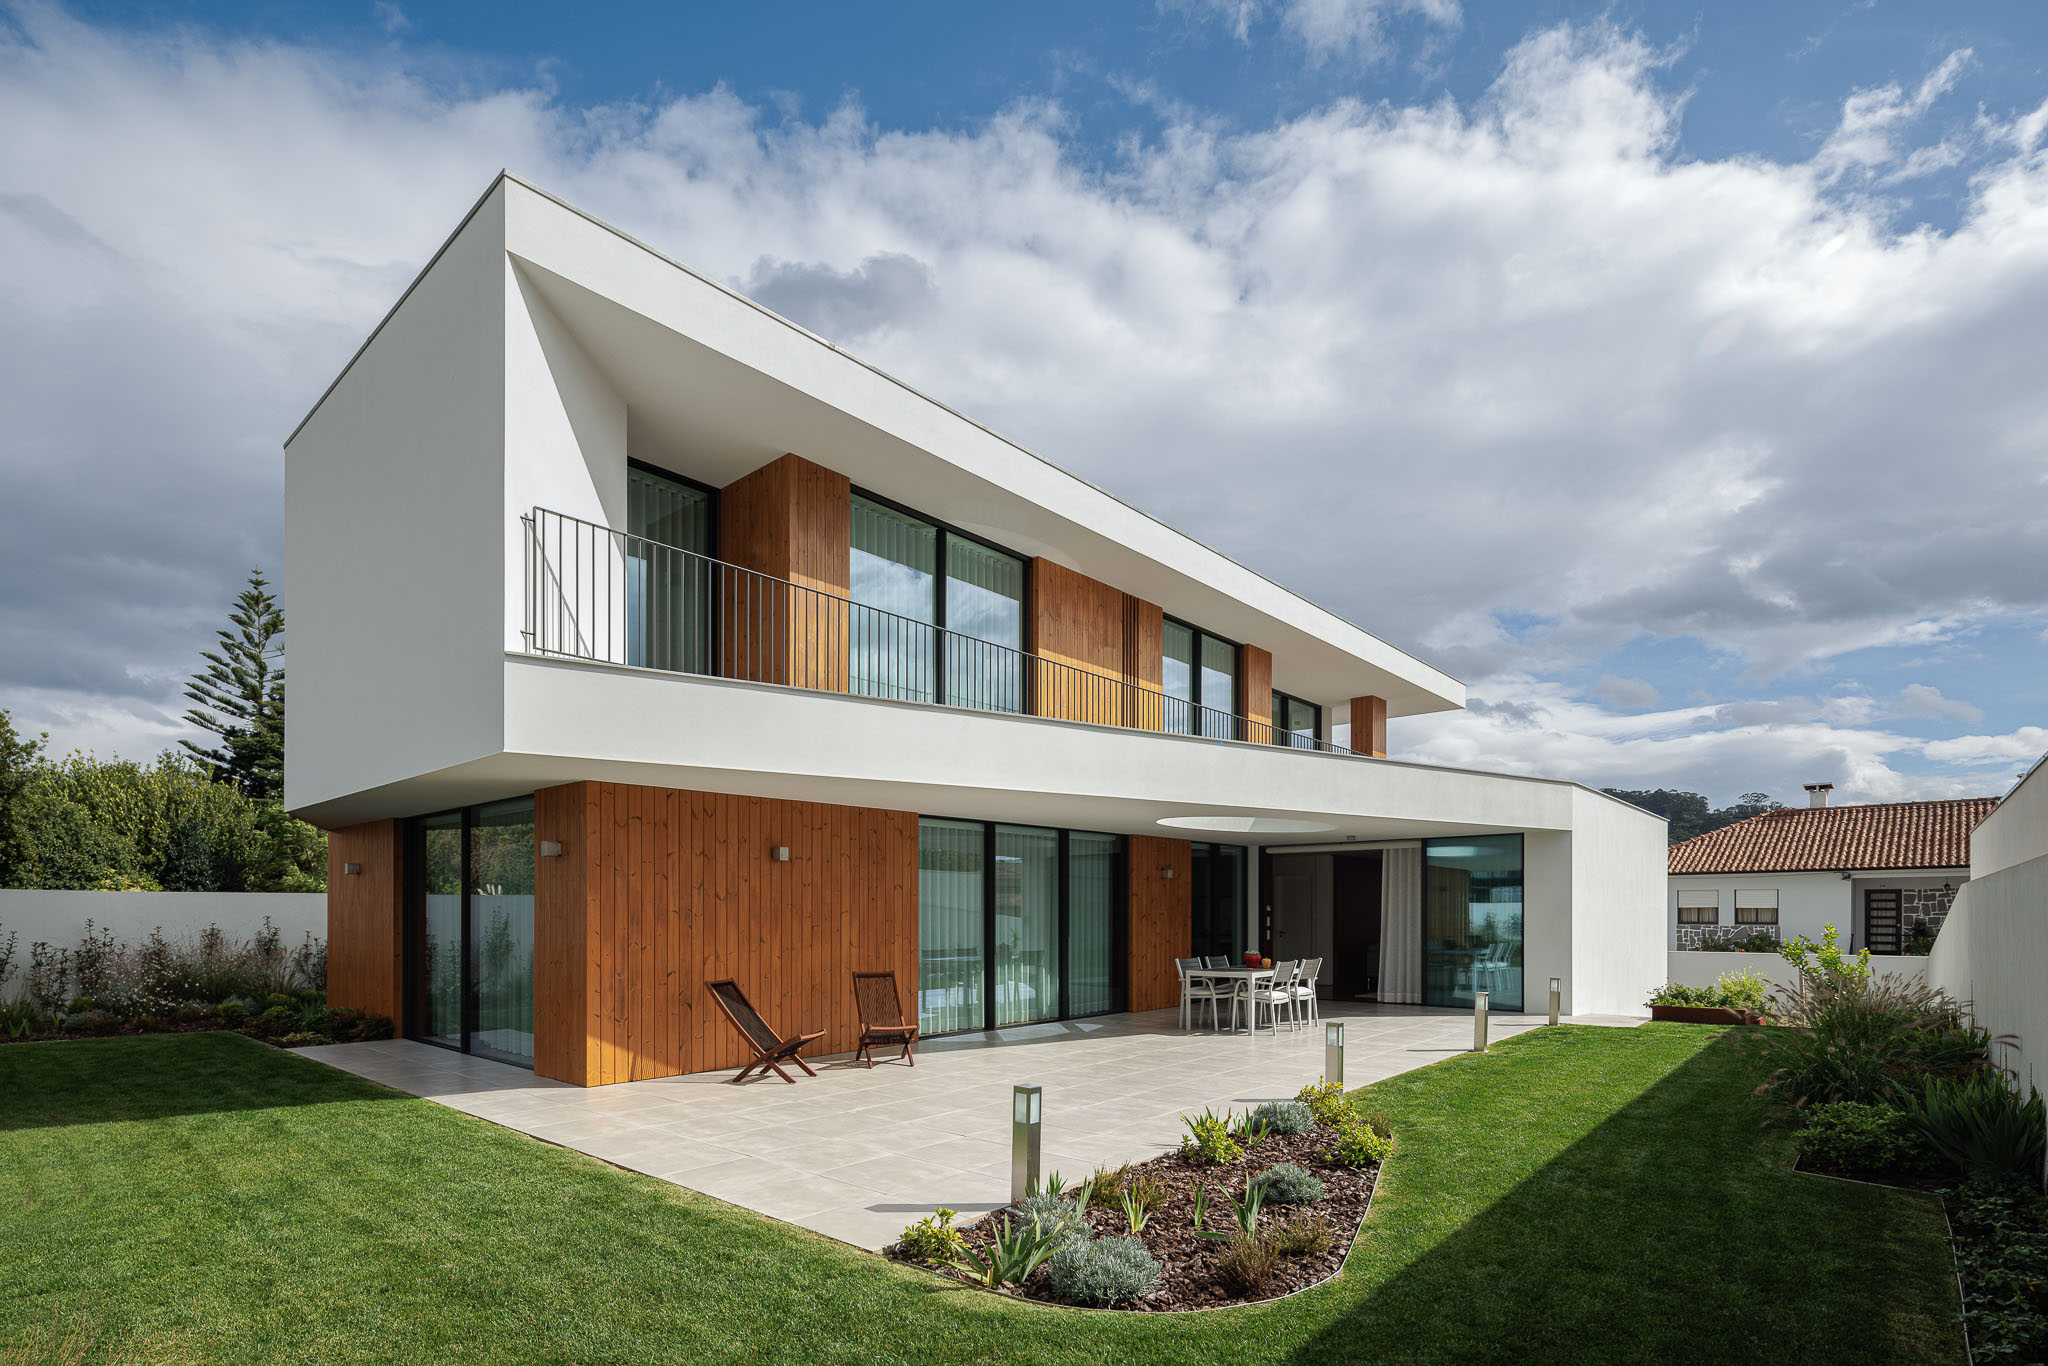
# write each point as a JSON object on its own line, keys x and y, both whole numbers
{"x": 1691, "y": 968}
{"x": 58, "y": 918}
{"x": 1993, "y": 950}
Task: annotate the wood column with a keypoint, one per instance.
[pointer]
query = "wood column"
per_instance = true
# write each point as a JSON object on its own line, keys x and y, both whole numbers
{"x": 1162, "y": 918}
{"x": 1255, "y": 681}
{"x": 366, "y": 921}
{"x": 1369, "y": 726}
{"x": 790, "y": 519}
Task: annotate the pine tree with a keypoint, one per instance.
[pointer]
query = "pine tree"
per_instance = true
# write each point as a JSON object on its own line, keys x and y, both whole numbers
{"x": 240, "y": 696}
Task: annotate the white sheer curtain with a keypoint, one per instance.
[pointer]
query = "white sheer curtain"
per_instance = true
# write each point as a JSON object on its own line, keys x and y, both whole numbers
{"x": 1401, "y": 924}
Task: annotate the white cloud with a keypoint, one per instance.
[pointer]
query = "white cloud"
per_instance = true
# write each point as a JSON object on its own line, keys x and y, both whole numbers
{"x": 1874, "y": 119}
{"x": 1922, "y": 699}
{"x": 2023, "y": 746}
{"x": 393, "y": 20}
{"x": 1629, "y": 694}
{"x": 1516, "y": 361}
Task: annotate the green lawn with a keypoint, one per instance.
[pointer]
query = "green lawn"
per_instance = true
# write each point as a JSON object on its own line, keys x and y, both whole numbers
{"x": 1576, "y": 1195}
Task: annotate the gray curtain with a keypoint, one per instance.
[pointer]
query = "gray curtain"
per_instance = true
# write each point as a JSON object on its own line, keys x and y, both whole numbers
{"x": 1401, "y": 924}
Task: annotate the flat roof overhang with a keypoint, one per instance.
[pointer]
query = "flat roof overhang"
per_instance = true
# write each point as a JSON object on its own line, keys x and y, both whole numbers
{"x": 727, "y": 386}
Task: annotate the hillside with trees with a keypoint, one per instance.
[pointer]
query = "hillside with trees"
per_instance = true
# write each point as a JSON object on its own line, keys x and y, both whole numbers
{"x": 1689, "y": 812}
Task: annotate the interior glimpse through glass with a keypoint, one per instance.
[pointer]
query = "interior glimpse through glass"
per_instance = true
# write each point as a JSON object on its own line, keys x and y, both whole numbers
{"x": 984, "y": 603}
{"x": 1092, "y": 920}
{"x": 1218, "y": 694}
{"x": 1177, "y": 677}
{"x": 1472, "y": 921}
{"x": 439, "y": 989}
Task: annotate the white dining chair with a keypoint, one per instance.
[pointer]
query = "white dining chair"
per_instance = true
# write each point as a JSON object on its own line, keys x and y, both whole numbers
{"x": 1305, "y": 989}
{"x": 1195, "y": 989}
{"x": 1275, "y": 994}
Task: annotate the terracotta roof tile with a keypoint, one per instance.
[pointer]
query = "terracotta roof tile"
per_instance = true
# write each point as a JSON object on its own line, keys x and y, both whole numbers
{"x": 1810, "y": 839}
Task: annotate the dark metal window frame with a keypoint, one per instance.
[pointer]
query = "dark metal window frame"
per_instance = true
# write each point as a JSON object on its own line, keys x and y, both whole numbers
{"x": 1236, "y": 708}
{"x": 412, "y": 981}
{"x": 711, "y": 495}
{"x": 1119, "y": 921}
{"x": 946, "y": 531}
{"x": 1280, "y": 731}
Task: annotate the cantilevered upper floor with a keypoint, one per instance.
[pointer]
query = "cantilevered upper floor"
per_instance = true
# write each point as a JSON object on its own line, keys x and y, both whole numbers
{"x": 561, "y": 449}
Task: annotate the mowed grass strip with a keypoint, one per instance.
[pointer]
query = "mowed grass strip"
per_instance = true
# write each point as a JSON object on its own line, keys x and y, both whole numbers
{"x": 1577, "y": 1194}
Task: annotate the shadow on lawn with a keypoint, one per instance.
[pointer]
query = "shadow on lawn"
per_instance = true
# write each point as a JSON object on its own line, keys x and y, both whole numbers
{"x": 157, "y": 1076}
{"x": 1674, "y": 1231}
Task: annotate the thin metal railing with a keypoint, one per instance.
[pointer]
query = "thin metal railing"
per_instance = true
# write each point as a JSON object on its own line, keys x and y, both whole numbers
{"x": 599, "y": 594}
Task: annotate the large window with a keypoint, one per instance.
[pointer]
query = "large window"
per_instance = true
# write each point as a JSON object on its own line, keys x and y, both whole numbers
{"x": 1198, "y": 674}
{"x": 668, "y": 574}
{"x": 1016, "y": 924}
{"x": 915, "y": 583}
{"x": 1216, "y": 900}
{"x": 1472, "y": 921}
{"x": 1296, "y": 722}
{"x": 469, "y": 930}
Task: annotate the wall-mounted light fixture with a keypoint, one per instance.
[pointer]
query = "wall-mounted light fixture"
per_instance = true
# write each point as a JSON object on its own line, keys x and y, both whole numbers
{"x": 550, "y": 848}
{"x": 780, "y": 853}
{"x": 1166, "y": 873}
{"x": 352, "y": 868}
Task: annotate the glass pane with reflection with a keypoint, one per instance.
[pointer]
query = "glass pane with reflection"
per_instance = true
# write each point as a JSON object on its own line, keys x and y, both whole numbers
{"x": 1472, "y": 921}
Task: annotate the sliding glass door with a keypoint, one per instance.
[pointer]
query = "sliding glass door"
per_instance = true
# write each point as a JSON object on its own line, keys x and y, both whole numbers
{"x": 1472, "y": 921}
{"x": 914, "y": 584}
{"x": 1216, "y": 900}
{"x": 1095, "y": 940}
{"x": 1027, "y": 940}
{"x": 469, "y": 930}
{"x": 668, "y": 573}
{"x": 1198, "y": 674}
{"x": 1017, "y": 924}
{"x": 951, "y": 888}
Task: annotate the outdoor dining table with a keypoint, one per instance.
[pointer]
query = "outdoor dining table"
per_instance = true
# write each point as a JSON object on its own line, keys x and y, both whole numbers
{"x": 1250, "y": 977}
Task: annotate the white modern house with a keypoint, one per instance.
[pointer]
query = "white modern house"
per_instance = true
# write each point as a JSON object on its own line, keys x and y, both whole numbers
{"x": 643, "y": 639}
{"x": 1879, "y": 872}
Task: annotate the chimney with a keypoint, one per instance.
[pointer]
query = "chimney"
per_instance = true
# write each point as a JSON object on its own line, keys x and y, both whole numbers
{"x": 1817, "y": 794}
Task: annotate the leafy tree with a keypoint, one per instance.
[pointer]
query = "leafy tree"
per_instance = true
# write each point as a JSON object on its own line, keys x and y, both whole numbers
{"x": 240, "y": 696}
{"x": 18, "y": 760}
{"x": 1689, "y": 813}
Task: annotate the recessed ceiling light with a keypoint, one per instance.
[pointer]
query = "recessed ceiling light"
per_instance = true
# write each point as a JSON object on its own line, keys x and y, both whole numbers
{"x": 1245, "y": 825}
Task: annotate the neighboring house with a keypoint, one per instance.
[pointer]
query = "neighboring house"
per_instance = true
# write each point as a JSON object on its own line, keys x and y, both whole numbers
{"x": 1879, "y": 873}
{"x": 641, "y": 638}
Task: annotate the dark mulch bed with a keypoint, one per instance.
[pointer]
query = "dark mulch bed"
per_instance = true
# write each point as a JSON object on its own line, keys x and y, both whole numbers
{"x": 1188, "y": 1279}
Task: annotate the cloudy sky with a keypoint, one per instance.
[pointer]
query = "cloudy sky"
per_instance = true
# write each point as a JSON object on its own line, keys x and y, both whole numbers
{"x": 1674, "y": 379}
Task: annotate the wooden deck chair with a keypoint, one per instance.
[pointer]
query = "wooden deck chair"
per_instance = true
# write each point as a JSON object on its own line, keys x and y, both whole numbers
{"x": 881, "y": 1017}
{"x": 771, "y": 1050}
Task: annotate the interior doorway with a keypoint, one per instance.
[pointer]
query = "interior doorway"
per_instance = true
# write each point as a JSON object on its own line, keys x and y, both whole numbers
{"x": 1327, "y": 906}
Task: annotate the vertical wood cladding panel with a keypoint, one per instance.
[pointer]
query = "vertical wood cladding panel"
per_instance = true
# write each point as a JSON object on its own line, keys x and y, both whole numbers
{"x": 1077, "y": 623}
{"x": 668, "y": 890}
{"x": 1255, "y": 667}
{"x": 1162, "y": 924}
{"x": 789, "y": 520}
{"x": 1144, "y": 642}
{"x": 365, "y": 920}
{"x": 1369, "y": 726}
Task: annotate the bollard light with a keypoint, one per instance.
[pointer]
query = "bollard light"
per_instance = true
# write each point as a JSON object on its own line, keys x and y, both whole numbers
{"x": 1556, "y": 994}
{"x": 1333, "y": 1053}
{"x": 1027, "y": 1104}
{"x": 1478, "y": 1022}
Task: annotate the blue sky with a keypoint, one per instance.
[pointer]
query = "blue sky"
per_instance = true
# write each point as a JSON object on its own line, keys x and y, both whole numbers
{"x": 1668, "y": 374}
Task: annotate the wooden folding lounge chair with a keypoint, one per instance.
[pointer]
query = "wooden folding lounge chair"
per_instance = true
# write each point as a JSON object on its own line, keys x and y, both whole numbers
{"x": 881, "y": 1017}
{"x": 771, "y": 1050}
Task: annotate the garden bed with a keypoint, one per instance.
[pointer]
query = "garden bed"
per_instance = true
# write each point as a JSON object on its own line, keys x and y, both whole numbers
{"x": 1191, "y": 1275}
{"x": 1703, "y": 1015}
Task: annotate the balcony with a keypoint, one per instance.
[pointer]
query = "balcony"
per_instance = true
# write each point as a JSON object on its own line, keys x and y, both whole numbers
{"x": 603, "y": 596}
